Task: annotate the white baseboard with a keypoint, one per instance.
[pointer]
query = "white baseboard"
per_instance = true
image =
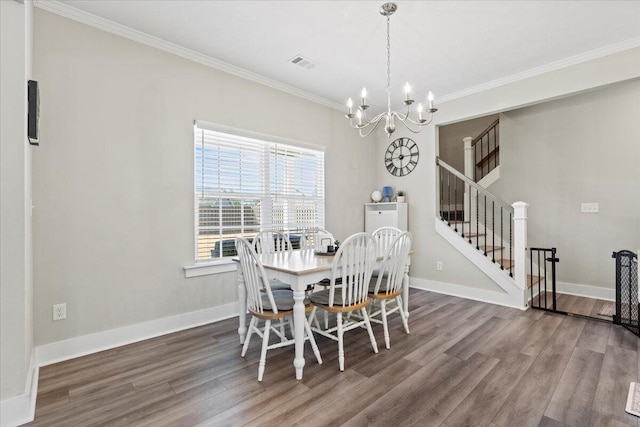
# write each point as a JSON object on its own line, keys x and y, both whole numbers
{"x": 21, "y": 409}
{"x": 87, "y": 344}
{"x": 476, "y": 294}
{"x": 608, "y": 294}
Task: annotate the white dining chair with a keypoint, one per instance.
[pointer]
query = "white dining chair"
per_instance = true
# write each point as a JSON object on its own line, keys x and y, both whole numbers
{"x": 353, "y": 263}
{"x": 388, "y": 285}
{"x": 271, "y": 241}
{"x": 309, "y": 241}
{"x": 267, "y": 305}
{"x": 383, "y": 237}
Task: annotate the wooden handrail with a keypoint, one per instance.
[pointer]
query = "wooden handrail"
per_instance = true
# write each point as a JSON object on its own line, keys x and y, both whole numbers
{"x": 484, "y": 132}
{"x": 467, "y": 180}
{"x": 488, "y": 157}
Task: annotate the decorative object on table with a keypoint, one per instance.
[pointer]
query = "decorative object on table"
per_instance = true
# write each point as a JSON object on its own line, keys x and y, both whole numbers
{"x": 376, "y": 196}
{"x": 400, "y": 197}
{"x": 323, "y": 241}
{"x": 401, "y": 157}
{"x": 389, "y": 116}
{"x": 387, "y": 193}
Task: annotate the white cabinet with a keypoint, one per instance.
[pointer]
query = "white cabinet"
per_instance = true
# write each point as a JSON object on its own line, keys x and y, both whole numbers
{"x": 378, "y": 215}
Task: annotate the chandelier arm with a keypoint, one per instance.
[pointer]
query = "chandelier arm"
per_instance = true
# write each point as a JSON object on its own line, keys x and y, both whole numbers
{"x": 423, "y": 123}
{"x": 367, "y": 123}
{"x": 406, "y": 121}
{"x": 406, "y": 118}
{"x": 370, "y": 131}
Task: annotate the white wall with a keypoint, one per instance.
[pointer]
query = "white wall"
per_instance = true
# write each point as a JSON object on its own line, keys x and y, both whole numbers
{"x": 420, "y": 185}
{"x": 113, "y": 179}
{"x": 584, "y": 148}
{"x": 16, "y": 339}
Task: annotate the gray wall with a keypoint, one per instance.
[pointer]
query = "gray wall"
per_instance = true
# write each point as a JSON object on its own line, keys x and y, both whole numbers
{"x": 16, "y": 285}
{"x": 450, "y": 139}
{"x": 585, "y": 148}
{"x": 113, "y": 223}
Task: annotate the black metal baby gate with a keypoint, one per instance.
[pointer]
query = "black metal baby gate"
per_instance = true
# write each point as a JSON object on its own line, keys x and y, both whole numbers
{"x": 542, "y": 279}
{"x": 627, "y": 296}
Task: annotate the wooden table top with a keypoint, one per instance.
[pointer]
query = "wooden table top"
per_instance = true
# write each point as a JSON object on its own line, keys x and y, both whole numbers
{"x": 298, "y": 262}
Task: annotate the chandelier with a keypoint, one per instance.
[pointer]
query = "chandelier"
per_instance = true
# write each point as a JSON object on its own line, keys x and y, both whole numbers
{"x": 389, "y": 116}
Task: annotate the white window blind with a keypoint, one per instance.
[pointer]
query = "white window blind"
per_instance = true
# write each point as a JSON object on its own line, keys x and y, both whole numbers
{"x": 246, "y": 184}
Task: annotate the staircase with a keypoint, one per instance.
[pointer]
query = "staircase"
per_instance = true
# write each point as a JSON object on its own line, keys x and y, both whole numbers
{"x": 486, "y": 230}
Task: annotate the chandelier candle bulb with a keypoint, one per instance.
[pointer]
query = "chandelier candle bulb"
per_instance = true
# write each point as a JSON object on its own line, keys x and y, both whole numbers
{"x": 359, "y": 114}
{"x": 350, "y": 106}
{"x": 364, "y": 96}
{"x": 430, "y": 97}
{"x": 407, "y": 90}
{"x": 420, "y": 112}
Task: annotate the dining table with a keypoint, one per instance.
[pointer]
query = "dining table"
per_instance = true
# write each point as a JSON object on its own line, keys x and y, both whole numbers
{"x": 300, "y": 268}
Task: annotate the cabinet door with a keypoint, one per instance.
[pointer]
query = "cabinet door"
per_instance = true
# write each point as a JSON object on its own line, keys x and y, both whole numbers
{"x": 382, "y": 218}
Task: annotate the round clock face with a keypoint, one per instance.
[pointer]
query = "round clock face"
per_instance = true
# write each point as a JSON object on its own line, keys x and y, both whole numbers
{"x": 401, "y": 157}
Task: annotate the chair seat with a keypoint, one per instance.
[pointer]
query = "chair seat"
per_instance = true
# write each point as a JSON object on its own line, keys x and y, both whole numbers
{"x": 284, "y": 303}
{"x": 327, "y": 282}
{"x": 321, "y": 298}
{"x": 277, "y": 285}
{"x": 283, "y": 299}
{"x": 382, "y": 293}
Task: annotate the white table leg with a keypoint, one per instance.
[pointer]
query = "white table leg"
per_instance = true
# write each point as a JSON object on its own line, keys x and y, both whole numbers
{"x": 242, "y": 307}
{"x": 405, "y": 290}
{"x": 298, "y": 322}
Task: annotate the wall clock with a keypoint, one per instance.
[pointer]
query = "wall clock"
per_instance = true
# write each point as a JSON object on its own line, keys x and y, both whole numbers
{"x": 401, "y": 156}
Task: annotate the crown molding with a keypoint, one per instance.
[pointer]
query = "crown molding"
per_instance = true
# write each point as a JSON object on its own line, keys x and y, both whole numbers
{"x": 95, "y": 21}
{"x": 553, "y": 66}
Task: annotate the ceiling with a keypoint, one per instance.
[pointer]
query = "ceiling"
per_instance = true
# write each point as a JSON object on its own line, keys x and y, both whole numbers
{"x": 448, "y": 47}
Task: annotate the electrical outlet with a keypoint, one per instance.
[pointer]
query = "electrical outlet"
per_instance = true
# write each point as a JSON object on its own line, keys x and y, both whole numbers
{"x": 439, "y": 265}
{"x": 59, "y": 311}
{"x": 589, "y": 208}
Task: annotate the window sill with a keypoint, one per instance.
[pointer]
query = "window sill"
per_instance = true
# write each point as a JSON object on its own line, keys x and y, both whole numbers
{"x": 205, "y": 269}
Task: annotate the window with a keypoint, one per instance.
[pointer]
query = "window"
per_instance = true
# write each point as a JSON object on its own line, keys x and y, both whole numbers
{"x": 246, "y": 182}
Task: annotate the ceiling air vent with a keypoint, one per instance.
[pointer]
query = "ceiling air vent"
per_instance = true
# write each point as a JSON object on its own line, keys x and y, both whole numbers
{"x": 303, "y": 62}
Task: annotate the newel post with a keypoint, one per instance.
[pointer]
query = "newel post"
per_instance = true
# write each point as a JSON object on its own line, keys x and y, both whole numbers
{"x": 468, "y": 172}
{"x": 520, "y": 245}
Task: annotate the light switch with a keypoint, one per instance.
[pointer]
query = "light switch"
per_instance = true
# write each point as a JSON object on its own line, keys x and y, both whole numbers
{"x": 589, "y": 208}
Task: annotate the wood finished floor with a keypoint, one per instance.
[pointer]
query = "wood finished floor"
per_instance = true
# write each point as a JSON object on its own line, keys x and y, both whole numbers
{"x": 464, "y": 363}
{"x": 575, "y": 304}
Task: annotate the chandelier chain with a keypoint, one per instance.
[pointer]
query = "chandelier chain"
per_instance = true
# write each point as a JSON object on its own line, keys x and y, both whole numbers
{"x": 389, "y": 62}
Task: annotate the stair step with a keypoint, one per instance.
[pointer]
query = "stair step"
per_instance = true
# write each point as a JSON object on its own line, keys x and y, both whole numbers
{"x": 488, "y": 248}
{"x": 505, "y": 263}
{"x": 532, "y": 280}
